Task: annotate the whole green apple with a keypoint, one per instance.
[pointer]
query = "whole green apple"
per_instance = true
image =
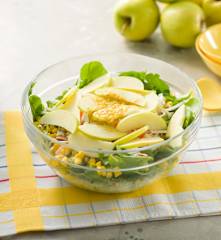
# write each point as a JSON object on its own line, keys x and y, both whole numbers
{"x": 136, "y": 20}
{"x": 199, "y": 2}
{"x": 212, "y": 9}
{"x": 181, "y": 22}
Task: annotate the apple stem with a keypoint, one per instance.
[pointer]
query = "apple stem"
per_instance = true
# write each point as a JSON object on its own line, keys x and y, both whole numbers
{"x": 125, "y": 25}
{"x": 202, "y": 25}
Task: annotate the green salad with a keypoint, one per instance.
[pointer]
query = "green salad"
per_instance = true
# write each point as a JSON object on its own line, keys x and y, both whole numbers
{"x": 105, "y": 111}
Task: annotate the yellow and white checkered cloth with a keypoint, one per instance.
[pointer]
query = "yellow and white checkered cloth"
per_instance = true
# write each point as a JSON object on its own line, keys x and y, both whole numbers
{"x": 33, "y": 198}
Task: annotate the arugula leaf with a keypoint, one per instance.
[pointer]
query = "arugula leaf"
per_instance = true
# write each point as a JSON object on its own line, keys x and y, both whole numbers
{"x": 191, "y": 107}
{"x": 50, "y": 104}
{"x": 31, "y": 88}
{"x": 154, "y": 82}
{"x": 139, "y": 75}
{"x": 62, "y": 94}
{"x": 89, "y": 72}
{"x": 151, "y": 81}
{"x": 37, "y": 108}
{"x": 128, "y": 160}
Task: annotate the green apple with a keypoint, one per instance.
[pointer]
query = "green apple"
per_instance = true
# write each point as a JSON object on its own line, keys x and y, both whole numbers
{"x": 212, "y": 10}
{"x": 175, "y": 126}
{"x": 101, "y": 131}
{"x": 136, "y": 19}
{"x": 181, "y": 22}
{"x": 152, "y": 101}
{"x": 128, "y": 83}
{"x": 71, "y": 104}
{"x": 81, "y": 142}
{"x": 140, "y": 119}
{"x": 142, "y": 142}
{"x": 67, "y": 98}
{"x": 97, "y": 83}
{"x": 122, "y": 95}
{"x": 132, "y": 135}
{"x": 199, "y": 2}
{"x": 88, "y": 102}
{"x": 61, "y": 118}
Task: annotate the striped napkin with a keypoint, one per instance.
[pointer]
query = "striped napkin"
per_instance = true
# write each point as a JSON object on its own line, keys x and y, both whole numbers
{"x": 33, "y": 197}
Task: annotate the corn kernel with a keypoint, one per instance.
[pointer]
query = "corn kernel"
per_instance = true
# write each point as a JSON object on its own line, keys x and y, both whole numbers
{"x": 54, "y": 148}
{"x": 101, "y": 173}
{"x": 53, "y": 135}
{"x": 78, "y": 161}
{"x": 59, "y": 157}
{"x": 109, "y": 174}
{"x": 117, "y": 173}
{"x": 92, "y": 162}
{"x": 98, "y": 164}
{"x": 79, "y": 155}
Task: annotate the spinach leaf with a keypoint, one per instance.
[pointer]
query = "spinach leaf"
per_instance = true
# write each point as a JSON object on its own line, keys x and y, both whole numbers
{"x": 50, "y": 104}
{"x": 58, "y": 99}
{"x": 154, "y": 82}
{"x": 139, "y": 75}
{"x": 151, "y": 81}
{"x": 192, "y": 106}
{"x": 89, "y": 72}
{"x": 31, "y": 88}
{"x": 128, "y": 160}
{"x": 37, "y": 107}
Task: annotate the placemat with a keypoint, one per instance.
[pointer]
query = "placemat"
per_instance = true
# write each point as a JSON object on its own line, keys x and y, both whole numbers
{"x": 33, "y": 197}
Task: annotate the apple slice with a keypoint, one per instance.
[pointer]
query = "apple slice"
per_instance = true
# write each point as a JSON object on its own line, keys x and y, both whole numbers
{"x": 175, "y": 126}
{"x": 67, "y": 98}
{"x": 88, "y": 103}
{"x": 132, "y": 135}
{"x": 61, "y": 118}
{"x": 72, "y": 105}
{"x": 122, "y": 95}
{"x": 80, "y": 142}
{"x": 100, "y": 131}
{"x": 152, "y": 101}
{"x": 140, "y": 119}
{"x": 125, "y": 82}
{"x": 97, "y": 83}
{"x": 142, "y": 142}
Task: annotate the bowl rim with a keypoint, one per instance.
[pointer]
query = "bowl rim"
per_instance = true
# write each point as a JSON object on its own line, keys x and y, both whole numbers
{"x": 205, "y": 56}
{"x": 214, "y": 57}
{"x": 193, "y": 83}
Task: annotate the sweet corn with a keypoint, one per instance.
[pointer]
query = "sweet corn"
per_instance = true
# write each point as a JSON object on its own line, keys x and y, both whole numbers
{"x": 109, "y": 174}
{"x": 98, "y": 164}
{"x": 117, "y": 173}
{"x": 59, "y": 157}
{"x": 54, "y": 148}
{"x": 78, "y": 161}
{"x": 53, "y": 135}
{"x": 92, "y": 162}
{"x": 101, "y": 173}
{"x": 79, "y": 155}
{"x": 65, "y": 151}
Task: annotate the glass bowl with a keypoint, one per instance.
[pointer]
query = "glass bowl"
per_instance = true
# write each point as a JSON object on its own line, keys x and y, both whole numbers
{"x": 58, "y": 155}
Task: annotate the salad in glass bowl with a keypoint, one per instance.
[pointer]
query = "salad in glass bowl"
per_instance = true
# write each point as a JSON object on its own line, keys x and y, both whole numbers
{"x": 110, "y": 131}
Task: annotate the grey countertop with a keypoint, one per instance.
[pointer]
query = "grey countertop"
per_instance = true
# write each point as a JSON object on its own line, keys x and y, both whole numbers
{"x": 35, "y": 34}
